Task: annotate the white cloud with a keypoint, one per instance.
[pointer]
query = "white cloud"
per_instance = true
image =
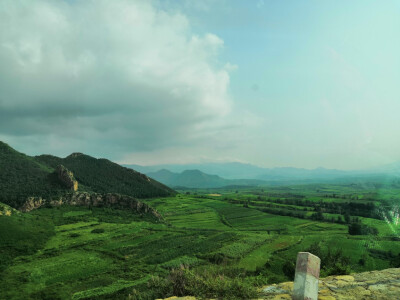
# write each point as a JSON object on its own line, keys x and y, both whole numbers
{"x": 98, "y": 72}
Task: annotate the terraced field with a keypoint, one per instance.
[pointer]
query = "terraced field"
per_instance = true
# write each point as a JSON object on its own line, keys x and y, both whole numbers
{"x": 101, "y": 253}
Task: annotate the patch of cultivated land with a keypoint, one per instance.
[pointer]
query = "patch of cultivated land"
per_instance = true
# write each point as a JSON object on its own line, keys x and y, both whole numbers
{"x": 249, "y": 238}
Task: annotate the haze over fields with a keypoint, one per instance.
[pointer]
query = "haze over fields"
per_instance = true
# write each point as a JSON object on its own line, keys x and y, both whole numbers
{"x": 301, "y": 84}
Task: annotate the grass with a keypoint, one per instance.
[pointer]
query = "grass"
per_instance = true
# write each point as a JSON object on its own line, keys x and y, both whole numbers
{"x": 228, "y": 249}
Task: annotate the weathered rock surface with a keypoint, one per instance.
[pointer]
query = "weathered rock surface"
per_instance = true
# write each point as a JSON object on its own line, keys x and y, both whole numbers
{"x": 382, "y": 285}
{"x": 67, "y": 178}
{"x": 377, "y": 285}
{"x": 32, "y": 203}
{"x": 92, "y": 200}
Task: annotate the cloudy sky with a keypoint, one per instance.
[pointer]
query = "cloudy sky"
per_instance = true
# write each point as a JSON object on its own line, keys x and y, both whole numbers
{"x": 273, "y": 83}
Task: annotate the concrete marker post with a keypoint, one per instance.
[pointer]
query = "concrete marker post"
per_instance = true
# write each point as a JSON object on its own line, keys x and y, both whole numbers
{"x": 306, "y": 277}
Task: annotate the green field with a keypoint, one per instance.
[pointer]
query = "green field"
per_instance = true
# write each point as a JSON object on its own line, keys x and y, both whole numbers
{"x": 216, "y": 245}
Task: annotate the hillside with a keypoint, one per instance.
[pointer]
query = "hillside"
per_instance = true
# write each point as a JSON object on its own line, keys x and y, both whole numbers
{"x": 104, "y": 176}
{"x": 22, "y": 176}
{"x": 198, "y": 179}
{"x": 6, "y": 210}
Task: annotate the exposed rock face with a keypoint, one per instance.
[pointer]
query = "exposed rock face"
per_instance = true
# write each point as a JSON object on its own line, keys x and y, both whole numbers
{"x": 32, "y": 203}
{"x": 93, "y": 200}
{"x": 383, "y": 285}
{"x": 67, "y": 178}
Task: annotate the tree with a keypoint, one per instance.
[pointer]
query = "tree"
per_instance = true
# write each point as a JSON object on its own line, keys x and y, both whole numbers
{"x": 360, "y": 229}
{"x": 288, "y": 269}
{"x": 347, "y": 217}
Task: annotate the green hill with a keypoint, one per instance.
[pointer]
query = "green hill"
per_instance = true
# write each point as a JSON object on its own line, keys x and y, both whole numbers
{"x": 22, "y": 176}
{"x": 104, "y": 176}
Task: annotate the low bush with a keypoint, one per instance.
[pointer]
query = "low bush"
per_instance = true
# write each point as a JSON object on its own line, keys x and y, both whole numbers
{"x": 333, "y": 261}
{"x": 208, "y": 283}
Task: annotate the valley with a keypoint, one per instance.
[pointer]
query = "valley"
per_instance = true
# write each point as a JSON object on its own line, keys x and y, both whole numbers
{"x": 225, "y": 243}
{"x": 159, "y": 149}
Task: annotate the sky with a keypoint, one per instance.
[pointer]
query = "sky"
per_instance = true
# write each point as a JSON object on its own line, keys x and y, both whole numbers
{"x": 272, "y": 83}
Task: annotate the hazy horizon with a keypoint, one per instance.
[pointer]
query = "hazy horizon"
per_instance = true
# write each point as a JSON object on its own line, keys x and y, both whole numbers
{"x": 274, "y": 84}
{"x": 254, "y": 165}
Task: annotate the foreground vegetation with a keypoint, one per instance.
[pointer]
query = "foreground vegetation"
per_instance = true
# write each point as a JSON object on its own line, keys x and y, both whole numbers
{"x": 214, "y": 243}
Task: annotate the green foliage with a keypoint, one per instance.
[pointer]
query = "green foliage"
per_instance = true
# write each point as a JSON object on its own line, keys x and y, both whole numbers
{"x": 104, "y": 176}
{"x": 205, "y": 284}
{"x": 74, "y": 235}
{"x": 289, "y": 269}
{"x": 21, "y": 235}
{"x": 226, "y": 250}
{"x": 361, "y": 229}
{"x": 21, "y": 176}
{"x": 185, "y": 260}
{"x": 395, "y": 261}
{"x": 333, "y": 262}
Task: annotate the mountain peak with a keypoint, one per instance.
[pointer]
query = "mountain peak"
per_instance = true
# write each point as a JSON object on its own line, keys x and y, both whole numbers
{"x": 75, "y": 154}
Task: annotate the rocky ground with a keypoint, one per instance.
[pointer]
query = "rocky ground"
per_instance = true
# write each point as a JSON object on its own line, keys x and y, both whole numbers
{"x": 382, "y": 285}
{"x": 379, "y": 285}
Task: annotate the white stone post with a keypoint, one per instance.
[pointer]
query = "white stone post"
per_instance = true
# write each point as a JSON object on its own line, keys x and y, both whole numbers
{"x": 306, "y": 277}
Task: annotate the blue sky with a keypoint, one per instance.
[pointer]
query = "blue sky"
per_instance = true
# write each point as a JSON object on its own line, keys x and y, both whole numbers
{"x": 273, "y": 83}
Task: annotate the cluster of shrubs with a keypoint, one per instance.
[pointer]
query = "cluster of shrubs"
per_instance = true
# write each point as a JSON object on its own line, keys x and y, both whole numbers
{"x": 227, "y": 283}
{"x": 361, "y": 229}
{"x": 333, "y": 262}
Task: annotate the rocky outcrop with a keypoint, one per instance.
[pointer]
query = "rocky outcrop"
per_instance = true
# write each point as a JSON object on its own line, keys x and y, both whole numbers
{"x": 383, "y": 285}
{"x": 32, "y": 203}
{"x": 93, "y": 200}
{"x": 67, "y": 178}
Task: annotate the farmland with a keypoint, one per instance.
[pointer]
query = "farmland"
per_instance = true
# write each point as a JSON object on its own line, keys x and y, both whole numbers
{"x": 231, "y": 240}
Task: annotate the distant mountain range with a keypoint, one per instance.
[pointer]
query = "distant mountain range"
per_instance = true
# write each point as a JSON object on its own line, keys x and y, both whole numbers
{"x": 197, "y": 175}
{"x": 198, "y": 179}
{"x": 237, "y": 170}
